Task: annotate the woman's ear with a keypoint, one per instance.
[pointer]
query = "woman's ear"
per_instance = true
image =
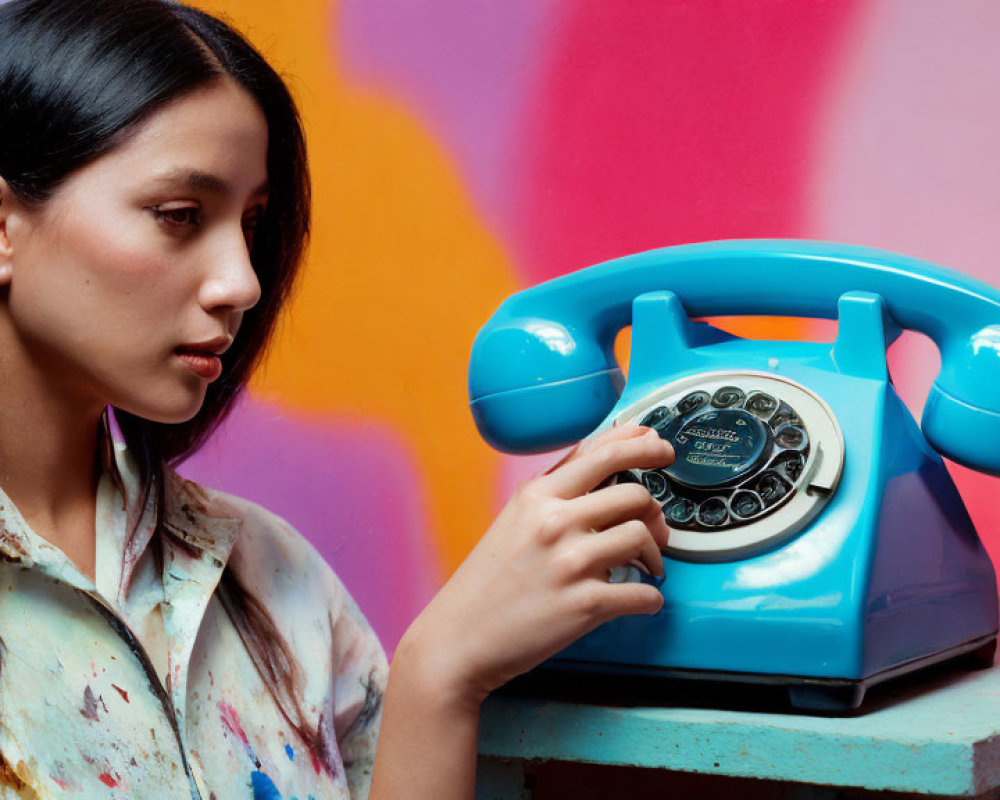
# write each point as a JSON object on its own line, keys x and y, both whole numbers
{"x": 6, "y": 251}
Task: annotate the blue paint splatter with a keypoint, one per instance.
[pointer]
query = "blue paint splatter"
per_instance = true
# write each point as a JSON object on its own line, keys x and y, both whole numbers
{"x": 289, "y": 752}
{"x": 263, "y": 787}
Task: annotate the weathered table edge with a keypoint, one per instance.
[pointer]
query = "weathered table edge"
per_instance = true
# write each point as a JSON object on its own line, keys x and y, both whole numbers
{"x": 670, "y": 739}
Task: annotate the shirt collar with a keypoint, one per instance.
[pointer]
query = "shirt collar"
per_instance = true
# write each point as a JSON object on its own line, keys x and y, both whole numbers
{"x": 123, "y": 513}
{"x": 20, "y": 545}
{"x": 190, "y": 517}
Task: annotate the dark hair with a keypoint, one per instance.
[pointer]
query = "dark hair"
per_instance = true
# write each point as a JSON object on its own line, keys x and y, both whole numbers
{"x": 76, "y": 78}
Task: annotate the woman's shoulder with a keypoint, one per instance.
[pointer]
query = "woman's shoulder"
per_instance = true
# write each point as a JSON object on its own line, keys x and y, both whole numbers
{"x": 281, "y": 567}
{"x": 267, "y": 553}
{"x": 344, "y": 665}
{"x": 257, "y": 542}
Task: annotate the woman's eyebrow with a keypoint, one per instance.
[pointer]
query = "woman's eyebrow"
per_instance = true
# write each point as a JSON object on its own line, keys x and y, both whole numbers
{"x": 197, "y": 180}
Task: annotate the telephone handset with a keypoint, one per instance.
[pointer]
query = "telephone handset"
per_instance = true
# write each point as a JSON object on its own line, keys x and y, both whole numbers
{"x": 798, "y": 468}
{"x": 549, "y": 348}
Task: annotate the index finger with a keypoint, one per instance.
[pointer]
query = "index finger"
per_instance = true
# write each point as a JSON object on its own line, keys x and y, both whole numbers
{"x": 584, "y": 473}
{"x": 591, "y": 443}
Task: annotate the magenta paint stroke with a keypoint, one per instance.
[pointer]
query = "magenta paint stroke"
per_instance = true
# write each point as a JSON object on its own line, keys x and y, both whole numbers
{"x": 468, "y": 70}
{"x": 350, "y": 486}
{"x": 231, "y": 719}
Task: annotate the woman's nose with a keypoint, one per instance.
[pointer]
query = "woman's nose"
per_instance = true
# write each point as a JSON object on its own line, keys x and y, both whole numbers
{"x": 232, "y": 281}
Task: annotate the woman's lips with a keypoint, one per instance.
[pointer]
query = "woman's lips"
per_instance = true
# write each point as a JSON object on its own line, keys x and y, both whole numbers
{"x": 204, "y": 365}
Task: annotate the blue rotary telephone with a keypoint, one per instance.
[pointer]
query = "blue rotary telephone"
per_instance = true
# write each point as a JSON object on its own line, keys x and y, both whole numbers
{"x": 817, "y": 540}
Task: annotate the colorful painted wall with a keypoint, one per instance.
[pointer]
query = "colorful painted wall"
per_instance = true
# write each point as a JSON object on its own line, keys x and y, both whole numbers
{"x": 463, "y": 150}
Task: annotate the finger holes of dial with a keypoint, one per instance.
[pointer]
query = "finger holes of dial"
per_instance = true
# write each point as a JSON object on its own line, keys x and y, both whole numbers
{"x": 790, "y": 465}
{"x": 727, "y": 396}
{"x": 771, "y": 487}
{"x": 656, "y": 484}
{"x": 656, "y": 418}
{"x": 692, "y": 402}
{"x": 713, "y": 512}
{"x": 679, "y": 511}
{"x": 745, "y": 504}
{"x": 761, "y": 405}
{"x": 785, "y": 415}
{"x": 791, "y": 437}
{"x": 627, "y": 477}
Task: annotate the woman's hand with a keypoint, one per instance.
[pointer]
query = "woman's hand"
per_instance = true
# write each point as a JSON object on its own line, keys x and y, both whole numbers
{"x": 538, "y": 579}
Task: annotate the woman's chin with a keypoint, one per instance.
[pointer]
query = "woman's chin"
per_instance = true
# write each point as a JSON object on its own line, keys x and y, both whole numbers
{"x": 166, "y": 410}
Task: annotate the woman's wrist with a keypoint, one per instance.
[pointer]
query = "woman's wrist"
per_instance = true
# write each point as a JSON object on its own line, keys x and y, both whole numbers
{"x": 435, "y": 673}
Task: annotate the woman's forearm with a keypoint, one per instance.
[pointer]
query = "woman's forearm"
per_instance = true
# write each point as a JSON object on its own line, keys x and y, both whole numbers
{"x": 536, "y": 581}
{"x": 428, "y": 740}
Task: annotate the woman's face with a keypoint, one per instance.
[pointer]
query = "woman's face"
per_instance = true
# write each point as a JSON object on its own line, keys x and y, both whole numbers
{"x": 126, "y": 285}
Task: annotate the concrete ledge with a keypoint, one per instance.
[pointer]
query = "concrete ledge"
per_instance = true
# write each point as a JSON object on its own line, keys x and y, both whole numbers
{"x": 938, "y": 736}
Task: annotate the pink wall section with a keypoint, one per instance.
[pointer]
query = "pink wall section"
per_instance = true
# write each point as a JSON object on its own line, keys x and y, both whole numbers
{"x": 906, "y": 160}
{"x": 464, "y": 150}
{"x": 662, "y": 123}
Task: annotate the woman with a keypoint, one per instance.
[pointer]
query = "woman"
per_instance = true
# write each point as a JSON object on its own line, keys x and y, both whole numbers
{"x": 159, "y": 639}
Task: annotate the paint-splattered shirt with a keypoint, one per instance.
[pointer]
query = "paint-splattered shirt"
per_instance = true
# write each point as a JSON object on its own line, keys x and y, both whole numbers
{"x": 138, "y": 685}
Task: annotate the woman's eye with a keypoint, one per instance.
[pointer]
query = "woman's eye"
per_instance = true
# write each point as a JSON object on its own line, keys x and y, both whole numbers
{"x": 251, "y": 222}
{"x": 180, "y": 217}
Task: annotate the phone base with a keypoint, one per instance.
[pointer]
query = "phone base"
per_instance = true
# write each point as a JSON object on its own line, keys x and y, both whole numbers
{"x": 597, "y": 682}
{"x": 847, "y": 696}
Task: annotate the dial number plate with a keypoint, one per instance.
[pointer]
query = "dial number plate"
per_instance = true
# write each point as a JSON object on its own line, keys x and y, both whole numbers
{"x": 749, "y": 448}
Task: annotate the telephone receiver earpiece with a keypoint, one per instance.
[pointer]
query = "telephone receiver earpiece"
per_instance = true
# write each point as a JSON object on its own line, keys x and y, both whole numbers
{"x": 543, "y": 371}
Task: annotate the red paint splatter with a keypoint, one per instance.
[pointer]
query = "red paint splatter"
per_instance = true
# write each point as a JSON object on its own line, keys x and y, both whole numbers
{"x": 231, "y": 719}
{"x": 315, "y": 762}
{"x": 107, "y": 780}
{"x": 121, "y": 691}
{"x": 59, "y": 783}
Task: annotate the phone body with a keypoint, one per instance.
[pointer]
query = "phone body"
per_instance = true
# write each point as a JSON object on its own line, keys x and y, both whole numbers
{"x": 818, "y": 541}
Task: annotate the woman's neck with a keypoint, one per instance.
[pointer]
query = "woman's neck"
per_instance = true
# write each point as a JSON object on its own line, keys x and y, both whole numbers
{"x": 48, "y": 441}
